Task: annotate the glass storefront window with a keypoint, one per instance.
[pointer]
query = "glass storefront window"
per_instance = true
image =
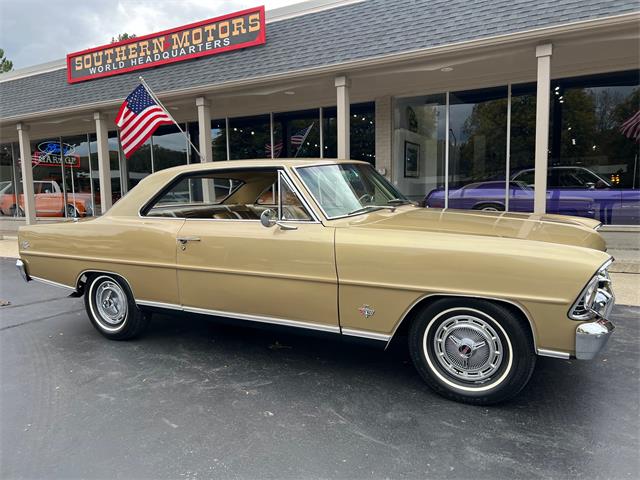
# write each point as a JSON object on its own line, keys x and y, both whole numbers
{"x": 219, "y": 139}
{"x": 50, "y": 160}
{"x": 522, "y": 148}
{"x": 419, "y": 146}
{"x": 169, "y": 147}
{"x": 117, "y": 175}
{"x": 301, "y": 134}
{"x": 10, "y": 185}
{"x": 139, "y": 164}
{"x": 477, "y": 149}
{"x": 362, "y": 132}
{"x": 593, "y": 163}
{"x": 77, "y": 177}
{"x": 250, "y": 137}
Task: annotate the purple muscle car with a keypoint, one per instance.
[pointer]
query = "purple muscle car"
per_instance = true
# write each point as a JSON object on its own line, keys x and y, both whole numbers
{"x": 571, "y": 191}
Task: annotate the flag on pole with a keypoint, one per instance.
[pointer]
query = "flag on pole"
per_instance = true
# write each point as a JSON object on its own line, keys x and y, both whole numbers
{"x": 138, "y": 118}
{"x": 298, "y": 138}
{"x": 631, "y": 128}
{"x": 277, "y": 149}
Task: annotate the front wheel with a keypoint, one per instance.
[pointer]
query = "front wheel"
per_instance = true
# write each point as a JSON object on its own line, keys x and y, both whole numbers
{"x": 112, "y": 309}
{"x": 472, "y": 351}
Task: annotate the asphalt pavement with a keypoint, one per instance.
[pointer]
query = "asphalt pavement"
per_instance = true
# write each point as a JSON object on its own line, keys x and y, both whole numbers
{"x": 196, "y": 399}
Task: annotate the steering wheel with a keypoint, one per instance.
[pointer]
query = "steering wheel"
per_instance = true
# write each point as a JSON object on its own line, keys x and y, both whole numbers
{"x": 366, "y": 198}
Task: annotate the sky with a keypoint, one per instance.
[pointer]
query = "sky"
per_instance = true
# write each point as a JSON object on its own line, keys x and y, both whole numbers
{"x": 39, "y": 31}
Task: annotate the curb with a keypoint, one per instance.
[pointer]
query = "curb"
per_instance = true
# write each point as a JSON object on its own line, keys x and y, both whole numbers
{"x": 625, "y": 267}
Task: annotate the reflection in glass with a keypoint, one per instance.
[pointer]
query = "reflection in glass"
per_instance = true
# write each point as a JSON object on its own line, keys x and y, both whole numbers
{"x": 249, "y": 137}
{"x": 362, "y": 132}
{"x": 477, "y": 148}
{"x": 350, "y": 189}
{"x": 169, "y": 147}
{"x": 139, "y": 164}
{"x": 419, "y": 147}
{"x": 9, "y": 180}
{"x": 594, "y": 159}
{"x": 219, "y": 139}
{"x": 77, "y": 177}
{"x": 301, "y": 134}
{"x": 522, "y": 148}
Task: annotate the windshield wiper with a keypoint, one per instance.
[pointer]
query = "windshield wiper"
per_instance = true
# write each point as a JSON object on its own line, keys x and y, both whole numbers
{"x": 371, "y": 208}
{"x": 399, "y": 201}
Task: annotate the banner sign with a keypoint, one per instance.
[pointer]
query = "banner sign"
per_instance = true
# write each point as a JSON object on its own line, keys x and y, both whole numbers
{"x": 229, "y": 32}
{"x": 48, "y": 154}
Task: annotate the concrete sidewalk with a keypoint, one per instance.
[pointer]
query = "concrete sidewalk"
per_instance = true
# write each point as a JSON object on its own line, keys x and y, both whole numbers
{"x": 626, "y": 285}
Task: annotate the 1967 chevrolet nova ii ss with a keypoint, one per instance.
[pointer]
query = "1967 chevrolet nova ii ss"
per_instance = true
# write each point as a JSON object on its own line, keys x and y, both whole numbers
{"x": 332, "y": 246}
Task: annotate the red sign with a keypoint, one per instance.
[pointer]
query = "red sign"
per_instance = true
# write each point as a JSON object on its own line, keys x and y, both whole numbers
{"x": 209, "y": 37}
{"x": 53, "y": 160}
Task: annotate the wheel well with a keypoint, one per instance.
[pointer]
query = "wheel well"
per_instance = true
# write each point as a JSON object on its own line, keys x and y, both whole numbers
{"x": 402, "y": 330}
{"x": 481, "y": 205}
{"x": 84, "y": 277}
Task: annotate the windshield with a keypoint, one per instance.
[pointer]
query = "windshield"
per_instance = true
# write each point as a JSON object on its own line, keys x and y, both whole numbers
{"x": 349, "y": 189}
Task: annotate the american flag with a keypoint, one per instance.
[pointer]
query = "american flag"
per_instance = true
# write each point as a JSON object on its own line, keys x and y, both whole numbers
{"x": 138, "y": 118}
{"x": 277, "y": 149}
{"x": 631, "y": 128}
{"x": 298, "y": 138}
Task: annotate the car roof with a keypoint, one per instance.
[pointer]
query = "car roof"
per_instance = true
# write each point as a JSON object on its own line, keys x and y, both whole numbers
{"x": 258, "y": 162}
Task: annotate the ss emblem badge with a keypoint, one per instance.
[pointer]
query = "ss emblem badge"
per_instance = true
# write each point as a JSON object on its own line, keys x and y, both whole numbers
{"x": 366, "y": 311}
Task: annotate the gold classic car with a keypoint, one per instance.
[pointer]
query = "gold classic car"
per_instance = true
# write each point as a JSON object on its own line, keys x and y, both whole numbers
{"x": 332, "y": 246}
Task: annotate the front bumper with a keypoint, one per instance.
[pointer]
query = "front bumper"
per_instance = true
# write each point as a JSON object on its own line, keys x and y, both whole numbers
{"x": 22, "y": 268}
{"x": 591, "y": 337}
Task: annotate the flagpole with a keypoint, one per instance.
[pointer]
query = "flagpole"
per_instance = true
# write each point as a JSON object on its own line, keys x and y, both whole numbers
{"x": 304, "y": 139}
{"x": 157, "y": 100}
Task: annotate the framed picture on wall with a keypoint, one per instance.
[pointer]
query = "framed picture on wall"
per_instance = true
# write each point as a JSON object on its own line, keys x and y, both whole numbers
{"x": 411, "y": 160}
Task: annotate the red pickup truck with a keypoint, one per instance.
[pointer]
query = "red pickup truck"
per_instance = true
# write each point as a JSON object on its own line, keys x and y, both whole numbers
{"x": 49, "y": 201}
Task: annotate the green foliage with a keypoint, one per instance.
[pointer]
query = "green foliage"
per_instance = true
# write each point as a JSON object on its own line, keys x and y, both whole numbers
{"x": 5, "y": 64}
{"x": 123, "y": 36}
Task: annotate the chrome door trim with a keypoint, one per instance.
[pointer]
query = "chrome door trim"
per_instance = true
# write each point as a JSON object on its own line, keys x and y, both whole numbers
{"x": 51, "y": 282}
{"x": 351, "y": 332}
{"x": 543, "y": 352}
{"x": 242, "y": 316}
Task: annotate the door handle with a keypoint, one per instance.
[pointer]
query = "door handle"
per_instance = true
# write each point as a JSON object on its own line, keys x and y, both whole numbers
{"x": 184, "y": 240}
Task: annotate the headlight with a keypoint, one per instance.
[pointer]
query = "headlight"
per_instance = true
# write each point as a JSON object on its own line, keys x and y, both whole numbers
{"x": 597, "y": 297}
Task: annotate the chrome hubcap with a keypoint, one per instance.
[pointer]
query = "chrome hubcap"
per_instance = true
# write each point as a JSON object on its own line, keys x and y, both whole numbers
{"x": 468, "y": 348}
{"x": 111, "y": 302}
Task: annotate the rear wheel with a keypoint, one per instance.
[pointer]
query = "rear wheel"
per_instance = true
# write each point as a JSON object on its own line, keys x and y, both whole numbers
{"x": 472, "y": 351}
{"x": 489, "y": 207}
{"x": 72, "y": 211}
{"x": 16, "y": 211}
{"x": 112, "y": 309}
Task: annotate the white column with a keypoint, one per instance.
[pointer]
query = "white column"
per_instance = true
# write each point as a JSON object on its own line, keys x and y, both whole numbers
{"x": 543, "y": 53}
{"x": 204, "y": 129}
{"x": 104, "y": 162}
{"x": 27, "y": 174}
{"x": 343, "y": 111}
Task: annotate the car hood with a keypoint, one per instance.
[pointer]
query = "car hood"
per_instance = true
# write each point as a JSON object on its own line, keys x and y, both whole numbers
{"x": 544, "y": 228}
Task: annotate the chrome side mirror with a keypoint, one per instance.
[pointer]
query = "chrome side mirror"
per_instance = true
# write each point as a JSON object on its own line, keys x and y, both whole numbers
{"x": 268, "y": 218}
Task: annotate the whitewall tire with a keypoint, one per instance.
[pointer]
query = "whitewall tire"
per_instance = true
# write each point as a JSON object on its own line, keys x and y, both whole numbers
{"x": 112, "y": 309}
{"x": 473, "y": 351}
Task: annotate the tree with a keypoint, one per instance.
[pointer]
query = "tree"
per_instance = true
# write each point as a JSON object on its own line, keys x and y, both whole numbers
{"x": 5, "y": 65}
{"x": 123, "y": 36}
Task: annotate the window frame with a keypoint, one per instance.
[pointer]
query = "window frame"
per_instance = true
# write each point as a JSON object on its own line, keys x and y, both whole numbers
{"x": 279, "y": 169}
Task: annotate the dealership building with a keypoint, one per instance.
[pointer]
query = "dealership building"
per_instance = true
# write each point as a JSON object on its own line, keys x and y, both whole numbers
{"x": 515, "y": 105}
